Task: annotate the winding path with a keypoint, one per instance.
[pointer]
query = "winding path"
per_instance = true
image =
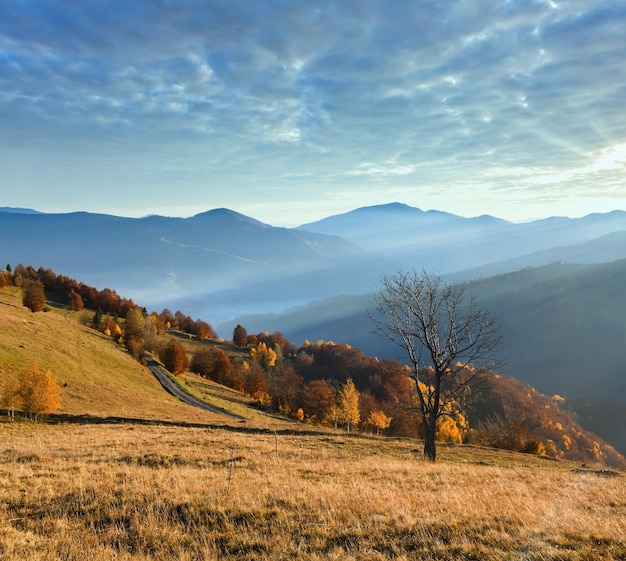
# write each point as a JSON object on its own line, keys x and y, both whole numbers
{"x": 163, "y": 376}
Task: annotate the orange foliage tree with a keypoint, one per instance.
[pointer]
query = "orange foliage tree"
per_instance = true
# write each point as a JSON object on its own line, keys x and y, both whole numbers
{"x": 318, "y": 400}
{"x": 32, "y": 391}
{"x": 240, "y": 336}
{"x": 174, "y": 357}
{"x": 33, "y": 295}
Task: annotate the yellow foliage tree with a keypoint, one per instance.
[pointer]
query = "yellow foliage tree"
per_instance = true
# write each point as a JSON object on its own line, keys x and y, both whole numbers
{"x": 31, "y": 390}
{"x": 265, "y": 356}
{"x": 448, "y": 430}
{"x": 10, "y": 393}
{"x": 348, "y": 406}
{"x": 378, "y": 420}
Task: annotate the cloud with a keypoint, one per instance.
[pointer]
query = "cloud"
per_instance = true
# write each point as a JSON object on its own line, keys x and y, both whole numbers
{"x": 281, "y": 97}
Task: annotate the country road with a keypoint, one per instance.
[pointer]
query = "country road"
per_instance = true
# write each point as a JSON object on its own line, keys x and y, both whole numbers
{"x": 172, "y": 387}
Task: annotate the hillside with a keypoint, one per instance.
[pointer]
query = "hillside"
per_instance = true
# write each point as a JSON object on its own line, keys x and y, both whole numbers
{"x": 98, "y": 378}
{"x": 197, "y": 485}
{"x": 562, "y": 328}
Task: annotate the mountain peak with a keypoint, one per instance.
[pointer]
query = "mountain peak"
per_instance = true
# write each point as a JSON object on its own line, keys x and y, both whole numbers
{"x": 226, "y": 214}
{"x": 394, "y": 207}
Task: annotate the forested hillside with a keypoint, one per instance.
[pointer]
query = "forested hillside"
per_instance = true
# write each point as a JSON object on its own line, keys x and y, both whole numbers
{"x": 562, "y": 327}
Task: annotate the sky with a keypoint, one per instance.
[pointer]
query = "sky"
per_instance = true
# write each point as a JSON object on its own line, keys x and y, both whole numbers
{"x": 289, "y": 111}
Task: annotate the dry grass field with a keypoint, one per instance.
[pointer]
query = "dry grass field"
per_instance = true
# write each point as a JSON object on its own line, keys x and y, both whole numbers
{"x": 133, "y": 491}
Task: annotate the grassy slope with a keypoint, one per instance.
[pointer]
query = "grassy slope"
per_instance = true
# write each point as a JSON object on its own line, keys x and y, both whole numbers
{"x": 98, "y": 378}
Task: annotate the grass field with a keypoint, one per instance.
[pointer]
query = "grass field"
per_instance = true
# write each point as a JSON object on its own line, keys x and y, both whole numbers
{"x": 131, "y": 491}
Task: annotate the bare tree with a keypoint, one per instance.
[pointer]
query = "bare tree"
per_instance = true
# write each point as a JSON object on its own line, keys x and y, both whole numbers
{"x": 436, "y": 326}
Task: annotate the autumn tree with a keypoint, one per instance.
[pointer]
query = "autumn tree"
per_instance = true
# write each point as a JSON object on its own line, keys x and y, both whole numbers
{"x": 32, "y": 391}
{"x": 348, "y": 405}
{"x": 378, "y": 421}
{"x": 435, "y": 325}
{"x": 255, "y": 383}
{"x": 111, "y": 328}
{"x": 33, "y": 296}
{"x": 202, "y": 362}
{"x": 213, "y": 363}
{"x": 264, "y": 356}
{"x": 317, "y": 400}
{"x": 134, "y": 332}
{"x": 167, "y": 318}
{"x": 284, "y": 387}
{"x": 510, "y": 430}
{"x": 10, "y": 397}
{"x": 240, "y": 336}
{"x": 76, "y": 301}
{"x": 174, "y": 357}
{"x": 203, "y": 330}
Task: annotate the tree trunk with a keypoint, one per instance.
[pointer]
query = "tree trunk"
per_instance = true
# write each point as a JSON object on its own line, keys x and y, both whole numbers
{"x": 430, "y": 450}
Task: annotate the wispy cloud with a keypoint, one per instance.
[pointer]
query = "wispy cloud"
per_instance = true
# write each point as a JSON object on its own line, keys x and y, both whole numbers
{"x": 228, "y": 100}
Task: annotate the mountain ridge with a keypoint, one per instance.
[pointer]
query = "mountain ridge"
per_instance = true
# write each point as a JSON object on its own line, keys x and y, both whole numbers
{"x": 225, "y": 264}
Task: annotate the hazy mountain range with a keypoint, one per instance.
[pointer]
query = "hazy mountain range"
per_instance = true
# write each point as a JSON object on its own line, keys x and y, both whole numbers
{"x": 221, "y": 265}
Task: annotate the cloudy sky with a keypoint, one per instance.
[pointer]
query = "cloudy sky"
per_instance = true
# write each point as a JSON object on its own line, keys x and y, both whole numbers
{"x": 290, "y": 110}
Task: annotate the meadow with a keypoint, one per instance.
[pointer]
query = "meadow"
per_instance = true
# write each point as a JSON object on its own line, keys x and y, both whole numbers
{"x": 140, "y": 491}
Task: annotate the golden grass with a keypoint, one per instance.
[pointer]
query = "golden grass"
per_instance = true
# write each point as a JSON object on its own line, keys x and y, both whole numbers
{"x": 157, "y": 492}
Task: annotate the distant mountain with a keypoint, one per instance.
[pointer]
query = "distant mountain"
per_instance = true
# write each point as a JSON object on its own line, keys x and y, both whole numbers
{"x": 13, "y": 210}
{"x": 214, "y": 264}
{"x": 396, "y": 225}
{"x": 447, "y": 243}
{"x": 609, "y": 247}
{"x": 221, "y": 264}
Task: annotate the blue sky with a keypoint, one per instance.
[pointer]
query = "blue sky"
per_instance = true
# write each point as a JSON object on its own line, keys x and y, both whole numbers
{"x": 289, "y": 111}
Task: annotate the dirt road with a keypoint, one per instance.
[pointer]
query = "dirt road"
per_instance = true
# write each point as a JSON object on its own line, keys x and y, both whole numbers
{"x": 172, "y": 387}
